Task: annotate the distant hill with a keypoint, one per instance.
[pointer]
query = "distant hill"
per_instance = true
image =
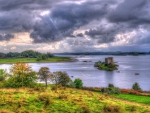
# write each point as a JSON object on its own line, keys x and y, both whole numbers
{"x": 105, "y": 53}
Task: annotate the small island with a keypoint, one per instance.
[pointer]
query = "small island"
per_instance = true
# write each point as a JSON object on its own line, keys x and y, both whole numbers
{"x": 108, "y": 65}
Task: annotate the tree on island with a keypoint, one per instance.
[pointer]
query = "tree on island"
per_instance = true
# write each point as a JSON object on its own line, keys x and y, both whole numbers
{"x": 44, "y": 74}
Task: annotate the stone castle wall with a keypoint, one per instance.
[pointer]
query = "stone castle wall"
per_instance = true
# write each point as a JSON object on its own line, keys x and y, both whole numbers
{"x": 109, "y": 60}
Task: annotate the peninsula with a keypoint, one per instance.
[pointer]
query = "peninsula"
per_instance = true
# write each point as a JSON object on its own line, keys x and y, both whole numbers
{"x": 30, "y": 56}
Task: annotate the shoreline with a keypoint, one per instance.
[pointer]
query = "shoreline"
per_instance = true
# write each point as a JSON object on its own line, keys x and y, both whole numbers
{"x": 56, "y": 59}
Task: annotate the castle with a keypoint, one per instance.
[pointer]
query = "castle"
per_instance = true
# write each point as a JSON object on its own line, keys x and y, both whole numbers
{"x": 109, "y": 60}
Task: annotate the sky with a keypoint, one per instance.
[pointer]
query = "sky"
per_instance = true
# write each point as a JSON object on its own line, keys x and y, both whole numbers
{"x": 74, "y": 25}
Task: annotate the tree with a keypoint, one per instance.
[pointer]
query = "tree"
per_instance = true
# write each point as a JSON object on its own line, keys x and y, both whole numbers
{"x": 21, "y": 75}
{"x": 41, "y": 57}
{"x": 3, "y": 74}
{"x": 2, "y": 55}
{"x": 78, "y": 83}
{"x": 49, "y": 55}
{"x": 136, "y": 86}
{"x": 44, "y": 74}
{"x": 60, "y": 77}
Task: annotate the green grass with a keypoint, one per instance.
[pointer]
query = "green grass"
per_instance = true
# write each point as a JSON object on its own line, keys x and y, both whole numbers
{"x": 134, "y": 98}
{"x": 109, "y": 67}
{"x": 64, "y": 100}
{"x": 28, "y": 60}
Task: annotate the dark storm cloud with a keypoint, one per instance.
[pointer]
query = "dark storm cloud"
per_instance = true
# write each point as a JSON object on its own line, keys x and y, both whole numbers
{"x": 105, "y": 33}
{"x": 128, "y": 16}
{"x": 65, "y": 19}
{"x": 131, "y": 12}
{"x": 6, "y": 37}
{"x": 67, "y": 16}
{"x": 80, "y": 35}
{"x": 26, "y": 4}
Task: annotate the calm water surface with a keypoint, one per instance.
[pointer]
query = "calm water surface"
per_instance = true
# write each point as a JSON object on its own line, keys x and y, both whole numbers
{"x": 91, "y": 76}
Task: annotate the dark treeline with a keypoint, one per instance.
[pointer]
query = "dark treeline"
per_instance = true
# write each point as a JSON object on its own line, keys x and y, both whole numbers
{"x": 24, "y": 54}
{"x": 106, "y": 53}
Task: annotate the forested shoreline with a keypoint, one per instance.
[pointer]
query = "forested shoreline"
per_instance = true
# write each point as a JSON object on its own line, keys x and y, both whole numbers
{"x": 25, "y": 54}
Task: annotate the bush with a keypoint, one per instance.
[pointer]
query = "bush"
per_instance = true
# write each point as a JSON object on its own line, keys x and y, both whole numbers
{"x": 111, "y": 89}
{"x": 85, "y": 109}
{"x": 1, "y": 85}
{"x": 71, "y": 84}
{"x": 3, "y": 75}
{"x": 135, "y": 92}
{"x": 45, "y": 98}
{"x": 16, "y": 82}
{"x": 110, "y": 85}
{"x": 110, "y": 108}
{"x": 136, "y": 86}
{"x": 78, "y": 83}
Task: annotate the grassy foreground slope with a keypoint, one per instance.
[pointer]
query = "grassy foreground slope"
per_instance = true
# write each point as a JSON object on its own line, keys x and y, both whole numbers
{"x": 64, "y": 100}
{"x": 134, "y": 98}
{"x": 33, "y": 60}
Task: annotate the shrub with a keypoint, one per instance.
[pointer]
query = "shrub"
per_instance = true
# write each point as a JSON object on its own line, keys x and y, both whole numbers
{"x": 53, "y": 87}
{"x": 1, "y": 84}
{"x": 71, "y": 84}
{"x": 111, "y": 89}
{"x": 116, "y": 90}
{"x": 78, "y": 83}
{"x": 135, "y": 92}
{"x": 85, "y": 109}
{"x": 136, "y": 86}
{"x": 127, "y": 91}
{"x": 110, "y": 108}
{"x": 62, "y": 96}
{"x": 110, "y": 85}
{"x": 45, "y": 98}
{"x": 132, "y": 108}
{"x": 3, "y": 75}
{"x": 104, "y": 90}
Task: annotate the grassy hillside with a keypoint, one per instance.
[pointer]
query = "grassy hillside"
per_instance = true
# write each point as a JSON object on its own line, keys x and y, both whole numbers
{"x": 134, "y": 98}
{"x": 28, "y": 60}
{"x": 64, "y": 100}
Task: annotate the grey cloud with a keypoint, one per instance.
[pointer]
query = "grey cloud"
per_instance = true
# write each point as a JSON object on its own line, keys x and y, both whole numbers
{"x": 26, "y": 4}
{"x": 80, "y": 35}
{"x": 64, "y": 19}
{"x": 140, "y": 38}
{"x": 59, "y": 24}
{"x": 131, "y": 12}
{"x": 6, "y": 37}
{"x": 67, "y": 16}
{"x": 105, "y": 33}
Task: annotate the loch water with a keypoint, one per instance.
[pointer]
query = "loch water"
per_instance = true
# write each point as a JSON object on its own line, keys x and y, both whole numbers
{"x": 91, "y": 76}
